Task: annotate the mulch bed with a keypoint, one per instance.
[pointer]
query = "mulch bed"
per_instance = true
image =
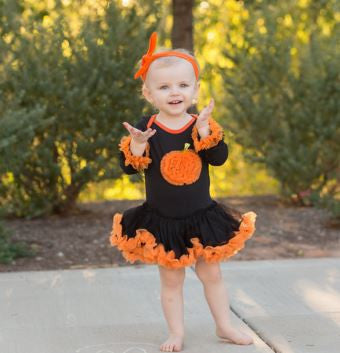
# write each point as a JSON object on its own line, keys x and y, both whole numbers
{"x": 81, "y": 239}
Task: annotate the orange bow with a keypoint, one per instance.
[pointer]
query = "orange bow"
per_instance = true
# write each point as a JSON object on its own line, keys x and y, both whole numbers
{"x": 149, "y": 57}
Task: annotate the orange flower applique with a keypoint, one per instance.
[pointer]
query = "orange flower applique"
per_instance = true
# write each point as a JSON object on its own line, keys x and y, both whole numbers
{"x": 181, "y": 167}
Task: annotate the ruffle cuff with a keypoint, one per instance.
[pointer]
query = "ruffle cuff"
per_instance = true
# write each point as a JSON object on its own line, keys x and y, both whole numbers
{"x": 209, "y": 141}
{"x": 137, "y": 162}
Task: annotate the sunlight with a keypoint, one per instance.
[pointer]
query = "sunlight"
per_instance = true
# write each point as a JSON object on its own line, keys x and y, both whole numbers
{"x": 47, "y": 21}
{"x": 287, "y": 20}
{"x": 302, "y": 36}
{"x": 204, "y": 5}
{"x": 67, "y": 52}
{"x": 211, "y": 35}
{"x": 253, "y": 308}
{"x": 126, "y": 2}
{"x": 303, "y": 3}
{"x": 323, "y": 300}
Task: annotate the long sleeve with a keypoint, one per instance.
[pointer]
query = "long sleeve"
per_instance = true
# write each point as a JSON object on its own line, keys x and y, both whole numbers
{"x": 130, "y": 163}
{"x": 211, "y": 148}
{"x": 216, "y": 155}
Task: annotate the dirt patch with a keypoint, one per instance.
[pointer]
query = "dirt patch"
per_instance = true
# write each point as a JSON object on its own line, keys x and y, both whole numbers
{"x": 81, "y": 240}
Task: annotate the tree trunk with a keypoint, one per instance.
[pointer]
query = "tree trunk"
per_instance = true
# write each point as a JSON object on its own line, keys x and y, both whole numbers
{"x": 182, "y": 29}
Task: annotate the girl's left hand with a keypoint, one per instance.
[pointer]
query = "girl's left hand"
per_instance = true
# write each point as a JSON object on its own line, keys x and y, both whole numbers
{"x": 203, "y": 119}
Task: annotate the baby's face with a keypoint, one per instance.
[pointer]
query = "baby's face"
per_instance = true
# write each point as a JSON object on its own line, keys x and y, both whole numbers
{"x": 172, "y": 87}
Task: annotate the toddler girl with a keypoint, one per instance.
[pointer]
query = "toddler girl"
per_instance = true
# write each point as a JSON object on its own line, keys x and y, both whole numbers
{"x": 179, "y": 224}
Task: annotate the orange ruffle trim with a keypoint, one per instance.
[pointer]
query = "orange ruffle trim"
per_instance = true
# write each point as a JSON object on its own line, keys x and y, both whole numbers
{"x": 143, "y": 246}
{"x": 209, "y": 141}
{"x": 138, "y": 162}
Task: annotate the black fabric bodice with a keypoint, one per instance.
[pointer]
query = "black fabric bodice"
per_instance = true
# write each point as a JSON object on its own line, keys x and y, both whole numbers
{"x": 176, "y": 201}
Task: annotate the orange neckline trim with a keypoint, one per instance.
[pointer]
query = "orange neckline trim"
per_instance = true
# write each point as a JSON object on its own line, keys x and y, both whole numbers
{"x": 167, "y": 129}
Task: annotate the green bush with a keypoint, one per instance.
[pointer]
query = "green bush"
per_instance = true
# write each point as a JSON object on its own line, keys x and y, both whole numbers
{"x": 282, "y": 95}
{"x": 64, "y": 94}
{"x": 10, "y": 250}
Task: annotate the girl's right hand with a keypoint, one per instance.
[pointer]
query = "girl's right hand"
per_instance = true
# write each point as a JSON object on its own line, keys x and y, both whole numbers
{"x": 138, "y": 135}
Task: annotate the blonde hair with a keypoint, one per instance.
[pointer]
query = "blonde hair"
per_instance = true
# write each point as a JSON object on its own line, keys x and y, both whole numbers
{"x": 170, "y": 60}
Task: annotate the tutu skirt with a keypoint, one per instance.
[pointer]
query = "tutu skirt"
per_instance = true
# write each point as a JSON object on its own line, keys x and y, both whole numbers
{"x": 142, "y": 233}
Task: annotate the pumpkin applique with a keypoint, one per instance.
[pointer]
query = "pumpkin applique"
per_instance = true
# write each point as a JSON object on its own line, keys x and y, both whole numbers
{"x": 181, "y": 167}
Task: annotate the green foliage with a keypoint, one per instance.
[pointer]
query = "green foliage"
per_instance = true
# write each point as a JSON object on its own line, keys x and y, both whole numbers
{"x": 66, "y": 86}
{"x": 282, "y": 94}
{"x": 331, "y": 204}
{"x": 10, "y": 250}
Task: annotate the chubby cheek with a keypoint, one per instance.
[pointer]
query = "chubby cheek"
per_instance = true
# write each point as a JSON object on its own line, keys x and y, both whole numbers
{"x": 189, "y": 94}
{"x": 193, "y": 92}
{"x": 163, "y": 98}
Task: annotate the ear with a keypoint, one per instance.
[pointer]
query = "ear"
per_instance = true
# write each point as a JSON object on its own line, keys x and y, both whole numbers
{"x": 197, "y": 89}
{"x": 147, "y": 94}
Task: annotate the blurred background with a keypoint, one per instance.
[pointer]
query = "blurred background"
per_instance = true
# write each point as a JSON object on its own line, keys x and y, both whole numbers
{"x": 66, "y": 86}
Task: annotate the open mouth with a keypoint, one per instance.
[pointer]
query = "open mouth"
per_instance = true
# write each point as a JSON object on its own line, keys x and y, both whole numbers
{"x": 175, "y": 102}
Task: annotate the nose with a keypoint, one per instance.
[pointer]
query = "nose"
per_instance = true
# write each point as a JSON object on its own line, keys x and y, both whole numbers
{"x": 174, "y": 91}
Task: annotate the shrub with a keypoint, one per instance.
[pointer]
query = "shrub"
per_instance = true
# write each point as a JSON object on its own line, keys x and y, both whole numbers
{"x": 66, "y": 87}
{"x": 282, "y": 95}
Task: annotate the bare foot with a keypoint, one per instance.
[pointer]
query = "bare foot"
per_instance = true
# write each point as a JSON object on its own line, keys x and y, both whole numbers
{"x": 172, "y": 344}
{"x": 234, "y": 335}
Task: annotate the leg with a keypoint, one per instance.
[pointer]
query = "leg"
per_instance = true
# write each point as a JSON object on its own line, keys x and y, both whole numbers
{"x": 172, "y": 303}
{"x": 217, "y": 298}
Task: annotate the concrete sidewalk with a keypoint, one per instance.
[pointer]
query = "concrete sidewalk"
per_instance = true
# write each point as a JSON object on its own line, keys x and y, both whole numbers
{"x": 288, "y": 306}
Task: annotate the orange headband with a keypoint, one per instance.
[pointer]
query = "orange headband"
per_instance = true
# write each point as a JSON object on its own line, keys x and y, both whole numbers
{"x": 149, "y": 57}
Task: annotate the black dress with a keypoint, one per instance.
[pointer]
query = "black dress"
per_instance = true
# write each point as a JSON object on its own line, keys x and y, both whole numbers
{"x": 178, "y": 221}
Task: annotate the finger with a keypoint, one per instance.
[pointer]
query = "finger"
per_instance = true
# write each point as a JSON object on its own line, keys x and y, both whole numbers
{"x": 133, "y": 131}
{"x": 146, "y": 132}
{"x": 210, "y": 107}
{"x": 130, "y": 128}
{"x": 126, "y": 125}
{"x": 211, "y": 104}
{"x": 205, "y": 112}
{"x": 137, "y": 132}
{"x": 151, "y": 132}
